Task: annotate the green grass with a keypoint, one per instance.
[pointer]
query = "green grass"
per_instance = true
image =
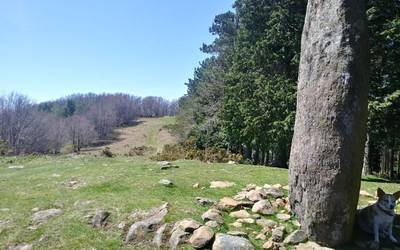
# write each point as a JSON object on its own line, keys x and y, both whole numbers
{"x": 118, "y": 185}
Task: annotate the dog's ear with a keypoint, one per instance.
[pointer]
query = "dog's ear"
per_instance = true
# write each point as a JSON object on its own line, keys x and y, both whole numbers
{"x": 380, "y": 192}
{"x": 397, "y": 195}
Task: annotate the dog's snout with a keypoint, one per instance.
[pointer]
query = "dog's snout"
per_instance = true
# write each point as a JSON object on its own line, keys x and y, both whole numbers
{"x": 391, "y": 206}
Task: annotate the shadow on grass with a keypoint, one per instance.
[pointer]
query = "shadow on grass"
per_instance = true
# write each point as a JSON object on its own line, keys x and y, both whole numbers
{"x": 379, "y": 180}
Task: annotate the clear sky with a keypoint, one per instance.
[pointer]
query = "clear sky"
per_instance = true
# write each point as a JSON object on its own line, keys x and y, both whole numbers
{"x": 53, "y": 48}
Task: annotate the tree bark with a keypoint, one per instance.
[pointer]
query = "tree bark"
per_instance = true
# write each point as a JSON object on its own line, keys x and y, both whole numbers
{"x": 330, "y": 128}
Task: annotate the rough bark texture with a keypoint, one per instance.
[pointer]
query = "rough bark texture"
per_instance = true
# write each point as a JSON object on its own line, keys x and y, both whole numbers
{"x": 366, "y": 170}
{"x": 330, "y": 128}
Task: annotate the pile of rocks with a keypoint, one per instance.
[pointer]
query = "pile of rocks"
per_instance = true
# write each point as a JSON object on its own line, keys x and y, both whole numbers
{"x": 259, "y": 214}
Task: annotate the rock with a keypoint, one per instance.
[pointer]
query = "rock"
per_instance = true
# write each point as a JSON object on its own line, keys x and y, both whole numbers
{"x": 271, "y": 245}
{"x": 296, "y": 223}
{"x": 240, "y": 214}
{"x": 286, "y": 187}
{"x": 296, "y": 237}
{"x": 213, "y": 215}
{"x": 35, "y": 209}
{"x": 277, "y": 234}
{"x": 267, "y": 223}
{"x": 246, "y": 220}
{"x": 264, "y": 207}
{"x": 240, "y": 196}
{"x": 23, "y": 246}
{"x": 261, "y": 236}
{"x": 250, "y": 187}
{"x": 254, "y": 195}
{"x": 238, "y": 233}
{"x": 42, "y": 216}
{"x": 221, "y": 184}
{"x": 232, "y": 163}
{"x": 267, "y": 186}
{"x": 277, "y": 186}
{"x": 178, "y": 237}
{"x": 4, "y": 209}
{"x": 227, "y": 203}
{"x": 311, "y": 246}
{"x": 100, "y": 219}
{"x": 229, "y": 242}
{"x": 16, "y": 167}
{"x": 205, "y": 201}
{"x": 188, "y": 225}
{"x": 212, "y": 224}
{"x": 196, "y": 185}
{"x": 201, "y": 237}
{"x": 273, "y": 192}
{"x": 237, "y": 224}
{"x": 283, "y": 217}
{"x": 280, "y": 202}
{"x": 139, "y": 229}
{"x": 159, "y": 236}
{"x": 166, "y": 182}
{"x": 56, "y": 175}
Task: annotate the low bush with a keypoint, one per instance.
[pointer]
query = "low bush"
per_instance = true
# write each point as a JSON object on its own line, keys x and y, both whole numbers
{"x": 107, "y": 152}
{"x": 140, "y": 151}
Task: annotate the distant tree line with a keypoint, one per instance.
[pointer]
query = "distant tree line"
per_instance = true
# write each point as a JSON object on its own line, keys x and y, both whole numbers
{"x": 78, "y": 120}
{"x": 242, "y": 97}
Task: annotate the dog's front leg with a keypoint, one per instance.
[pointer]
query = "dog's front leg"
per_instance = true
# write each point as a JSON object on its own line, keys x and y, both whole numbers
{"x": 391, "y": 237}
{"x": 376, "y": 231}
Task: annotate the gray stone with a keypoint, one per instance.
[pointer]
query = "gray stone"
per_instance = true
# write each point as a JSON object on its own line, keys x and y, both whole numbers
{"x": 229, "y": 242}
{"x": 213, "y": 215}
{"x": 296, "y": 237}
{"x": 227, "y": 203}
{"x": 178, "y": 237}
{"x": 212, "y": 224}
{"x": 267, "y": 223}
{"x": 100, "y": 219}
{"x": 201, "y": 237}
{"x": 139, "y": 229}
{"x": 42, "y": 216}
{"x": 188, "y": 225}
{"x": 273, "y": 192}
{"x": 283, "y": 217}
{"x": 311, "y": 246}
{"x": 330, "y": 127}
{"x": 254, "y": 195}
{"x": 264, "y": 207}
{"x": 16, "y": 167}
{"x": 238, "y": 233}
{"x": 240, "y": 214}
{"x": 278, "y": 233}
{"x": 159, "y": 236}
{"x": 166, "y": 182}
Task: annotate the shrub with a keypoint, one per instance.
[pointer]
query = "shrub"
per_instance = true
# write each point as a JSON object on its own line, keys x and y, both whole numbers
{"x": 3, "y": 147}
{"x": 107, "y": 152}
{"x": 140, "y": 151}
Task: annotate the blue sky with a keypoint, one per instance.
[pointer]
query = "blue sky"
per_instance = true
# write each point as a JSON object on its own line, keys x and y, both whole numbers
{"x": 53, "y": 48}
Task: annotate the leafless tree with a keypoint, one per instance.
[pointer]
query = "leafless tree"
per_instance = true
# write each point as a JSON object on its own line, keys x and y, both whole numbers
{"x": 81, "y": 132}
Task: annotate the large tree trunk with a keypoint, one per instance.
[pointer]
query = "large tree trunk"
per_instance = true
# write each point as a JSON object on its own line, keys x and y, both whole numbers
{"x": 330, "y": 128}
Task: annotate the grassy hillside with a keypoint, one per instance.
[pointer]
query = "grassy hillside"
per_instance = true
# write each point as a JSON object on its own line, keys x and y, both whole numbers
{"x": 119, "y": 185}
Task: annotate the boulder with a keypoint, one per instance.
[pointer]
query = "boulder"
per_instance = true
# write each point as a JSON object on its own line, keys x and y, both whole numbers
{"x": 283, "y": 217}
{"x": 271, "y": 245}
{"x": 159, "y": 236}
{"x": 178, "y": 236}
{"x": 229, "y": 242}
{"x": 42, "y": 216}
{"x": 139, "y": 229}
{"x": 277, "y": 234}
{"x": 273, "y": 192}
{"x": 237, "y": 224}
{"x": 201, "y": 237}
{"x": 296, "y": 237}
{"x": 240, "y": 196}
{"x": 212, "y": 224}
{"x": 196, "y": 185}
{"x": 187, "y": 225}
{"x": 267, "y": 223}
{"x": 264, "y": 207}
{"x": 213, "y": 215}
{"x": 227, "y": 203}
{"x": 246, "y": 220}
{"x": 241, "y": 214}
{"x": 221, "y": 184}
{"x": 254, "y": 195}
{"x": 250, "y": 187}
{"x": 100, "y": 219}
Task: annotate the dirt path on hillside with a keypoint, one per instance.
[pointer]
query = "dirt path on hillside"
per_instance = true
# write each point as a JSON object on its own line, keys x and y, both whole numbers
{"x": 148, "y": 132}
